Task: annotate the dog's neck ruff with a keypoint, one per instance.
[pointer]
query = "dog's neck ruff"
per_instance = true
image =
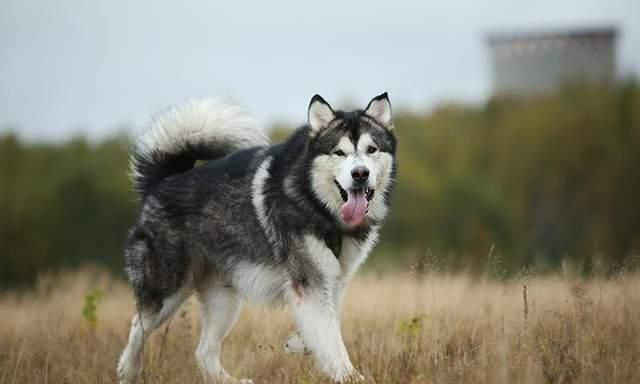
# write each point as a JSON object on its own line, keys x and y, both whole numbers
{"x": 258, "y": 199}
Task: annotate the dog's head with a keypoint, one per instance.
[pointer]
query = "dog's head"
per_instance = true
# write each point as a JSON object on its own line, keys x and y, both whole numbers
{"x": 353, "y": 159}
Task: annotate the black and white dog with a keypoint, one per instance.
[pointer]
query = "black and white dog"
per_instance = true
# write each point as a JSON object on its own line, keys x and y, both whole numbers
{"x": 284, "y": 224}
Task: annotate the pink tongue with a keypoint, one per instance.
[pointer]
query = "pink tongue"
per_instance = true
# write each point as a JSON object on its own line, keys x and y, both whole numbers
{"x": 354, "y": 210}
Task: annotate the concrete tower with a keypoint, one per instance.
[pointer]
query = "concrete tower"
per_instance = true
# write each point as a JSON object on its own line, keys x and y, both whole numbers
{"x": 541, "y": 61}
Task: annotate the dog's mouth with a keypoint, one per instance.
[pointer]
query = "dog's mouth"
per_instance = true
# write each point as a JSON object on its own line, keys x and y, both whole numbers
{"x": 356, "y": 203}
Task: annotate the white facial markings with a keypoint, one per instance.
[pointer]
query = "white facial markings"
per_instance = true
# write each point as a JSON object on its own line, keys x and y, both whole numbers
{"x": 368, "y": 160}
{"x": 347, "y": 163}
{"x": 327, "y": 169}
{"x": 324, "y": 171}
{"x": 365, "y": 142}
{"x": 380, "y": 164}
{"x": 345, "y": 145}
{"x": 359, "y": 158}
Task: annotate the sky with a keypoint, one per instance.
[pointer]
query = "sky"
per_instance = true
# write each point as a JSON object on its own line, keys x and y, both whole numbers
{"x": 97, "y": 67}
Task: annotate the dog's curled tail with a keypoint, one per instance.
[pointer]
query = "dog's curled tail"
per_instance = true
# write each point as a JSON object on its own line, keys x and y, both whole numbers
{"x": 189, "y": 131}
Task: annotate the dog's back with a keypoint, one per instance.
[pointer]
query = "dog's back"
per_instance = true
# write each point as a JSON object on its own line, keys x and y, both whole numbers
{"x": 157, "y": 257}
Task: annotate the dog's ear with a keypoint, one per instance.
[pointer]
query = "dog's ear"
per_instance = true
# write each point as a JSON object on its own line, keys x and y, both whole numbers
{"x": 379, "y": 108}
{"x": 320, "y": 114}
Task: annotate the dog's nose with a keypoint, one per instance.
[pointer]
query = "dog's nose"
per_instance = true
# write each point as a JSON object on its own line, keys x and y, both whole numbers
{"x": 360, "y": 174}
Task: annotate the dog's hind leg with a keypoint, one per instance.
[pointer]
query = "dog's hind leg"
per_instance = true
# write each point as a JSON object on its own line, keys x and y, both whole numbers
{"x": 131, "y": 362}
{"x": 220, "y": 307}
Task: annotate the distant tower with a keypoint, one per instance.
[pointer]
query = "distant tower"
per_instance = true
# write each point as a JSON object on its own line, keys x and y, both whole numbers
{"x": 541, "y": 61}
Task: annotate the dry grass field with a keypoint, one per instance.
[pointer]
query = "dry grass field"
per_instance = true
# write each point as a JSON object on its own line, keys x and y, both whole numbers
{"x": 399, "y": 329}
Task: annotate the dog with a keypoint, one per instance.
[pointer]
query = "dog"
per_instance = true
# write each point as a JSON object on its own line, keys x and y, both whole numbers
{"x": 284, "y": 224}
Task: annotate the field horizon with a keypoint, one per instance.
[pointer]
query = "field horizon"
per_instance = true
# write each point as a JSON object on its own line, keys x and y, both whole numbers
{"x": 400, "y": 328}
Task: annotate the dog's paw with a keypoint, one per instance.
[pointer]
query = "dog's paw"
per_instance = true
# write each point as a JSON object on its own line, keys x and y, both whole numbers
{"x": 354, "y": 377}
{"x": 228, "y": 379}
{"x": 127, "y": 374}
{"x": 225, "y": 378}
{"x": 295, "y": 344}
{"x": 128, "y": 371}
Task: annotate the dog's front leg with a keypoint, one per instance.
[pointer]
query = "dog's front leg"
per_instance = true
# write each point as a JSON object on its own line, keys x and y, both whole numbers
{"x": 314, "y": 297}
{"x": 318, "y": 322}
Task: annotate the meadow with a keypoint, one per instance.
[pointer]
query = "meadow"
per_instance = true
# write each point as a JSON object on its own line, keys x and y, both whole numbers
{"x": 399, "y": 328}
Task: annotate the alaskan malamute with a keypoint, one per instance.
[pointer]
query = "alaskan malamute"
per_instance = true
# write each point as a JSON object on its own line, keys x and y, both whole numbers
{"x": 276, "y": 224}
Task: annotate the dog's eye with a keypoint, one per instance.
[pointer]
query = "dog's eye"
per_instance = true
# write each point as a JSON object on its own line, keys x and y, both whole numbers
{"x": 372, "y": 149}
{"x": 338, "y": 153}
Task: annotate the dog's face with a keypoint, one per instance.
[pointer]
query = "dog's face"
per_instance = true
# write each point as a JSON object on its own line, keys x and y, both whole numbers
{"x": 353, "y": 159}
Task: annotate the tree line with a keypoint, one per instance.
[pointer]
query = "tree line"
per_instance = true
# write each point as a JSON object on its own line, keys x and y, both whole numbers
{"x": 538, "y": 180}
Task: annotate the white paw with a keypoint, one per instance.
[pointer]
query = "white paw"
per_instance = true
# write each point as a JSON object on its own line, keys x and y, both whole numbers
{"x": 127, "y": 374}
{"x": 228, "y": 379}
{"x": 295, "y": 344}
{"x": 354, "y": 377}
{"x": 129, "y": 367}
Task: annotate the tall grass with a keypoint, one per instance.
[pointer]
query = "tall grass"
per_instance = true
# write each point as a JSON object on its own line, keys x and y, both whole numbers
{"x": 399, "y": 329}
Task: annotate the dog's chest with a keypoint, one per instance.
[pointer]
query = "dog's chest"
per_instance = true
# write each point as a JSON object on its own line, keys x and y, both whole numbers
{"x": 354, "y": 252}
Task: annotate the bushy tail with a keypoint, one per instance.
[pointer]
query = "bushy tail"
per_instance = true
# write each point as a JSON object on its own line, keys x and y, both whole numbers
{"x": 189, "y": 131}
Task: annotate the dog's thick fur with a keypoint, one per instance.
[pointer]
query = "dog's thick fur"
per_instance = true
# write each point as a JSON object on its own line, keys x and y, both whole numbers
{"x": 284, "y": 224}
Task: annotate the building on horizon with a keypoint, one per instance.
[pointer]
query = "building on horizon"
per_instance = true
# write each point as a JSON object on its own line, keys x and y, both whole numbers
{"x": 541, "y": 61}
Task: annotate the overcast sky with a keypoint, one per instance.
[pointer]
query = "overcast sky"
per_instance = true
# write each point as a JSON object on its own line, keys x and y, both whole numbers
{"x": 90, "y": 66}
